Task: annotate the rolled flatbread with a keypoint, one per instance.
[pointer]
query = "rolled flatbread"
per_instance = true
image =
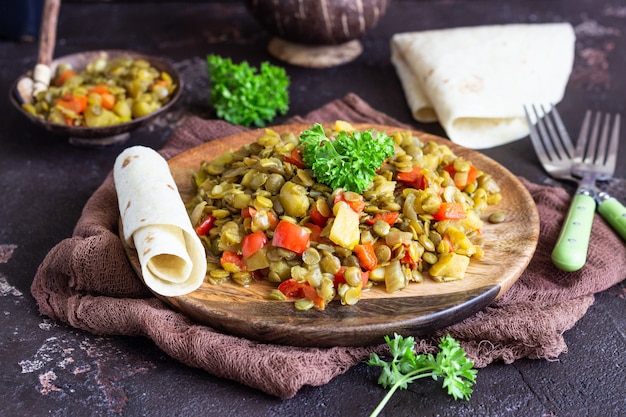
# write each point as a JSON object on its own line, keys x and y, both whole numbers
{"x": 156, "y": 224}
{"x": 475, "y": 80}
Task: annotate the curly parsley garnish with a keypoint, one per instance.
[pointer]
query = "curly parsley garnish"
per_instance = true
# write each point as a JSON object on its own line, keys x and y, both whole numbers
{"x": 406, "y": 366}
{"x": 348, "y": 161}
{"x": 244, "y": 96}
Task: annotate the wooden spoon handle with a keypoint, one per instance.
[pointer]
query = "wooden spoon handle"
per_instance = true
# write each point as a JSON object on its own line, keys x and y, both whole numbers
{"x": 47, "y": 39}
{"x": 47, "y": 35}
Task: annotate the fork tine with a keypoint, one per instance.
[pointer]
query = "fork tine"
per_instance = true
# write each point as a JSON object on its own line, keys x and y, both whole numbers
{"x": 596, "y": 146}
{"x": 535, "y": 135}
{"x": 600, "y": 156}
{"x": 581, "y": 143}
{"x": 562, "y": 141}
{"x": 551, "y": 138}
{"x": 542, "y": 138}
{"x": 592, "y": 143}
{"x": 611, "y": 158}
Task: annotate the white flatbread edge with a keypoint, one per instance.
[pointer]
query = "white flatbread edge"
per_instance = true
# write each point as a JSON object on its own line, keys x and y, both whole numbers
{"x": 475, "y": 80}
{"x": 156, "y": 224}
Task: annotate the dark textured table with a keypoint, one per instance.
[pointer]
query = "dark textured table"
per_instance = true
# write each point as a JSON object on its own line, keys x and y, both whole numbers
{"x": 47, "y": 368}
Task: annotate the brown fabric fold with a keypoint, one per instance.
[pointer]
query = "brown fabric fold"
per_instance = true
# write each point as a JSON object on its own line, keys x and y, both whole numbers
{"x": 87, "y": 282}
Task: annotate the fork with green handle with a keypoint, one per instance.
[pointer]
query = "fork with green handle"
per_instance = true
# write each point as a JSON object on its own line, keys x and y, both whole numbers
{"x": 609, "y": 207}
{"x": 592, "y": 160}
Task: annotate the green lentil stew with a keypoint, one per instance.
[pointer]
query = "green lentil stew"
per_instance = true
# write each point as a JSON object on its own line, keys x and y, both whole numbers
{"x": 104, "y": 93}
{"x": 262, "y": 215}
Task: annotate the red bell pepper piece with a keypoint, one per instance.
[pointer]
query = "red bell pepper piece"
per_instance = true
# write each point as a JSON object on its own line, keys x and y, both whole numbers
{"x": 317, "y": 217}
{"x": 295, "y": 289}
{"x": 450, "y": 211}
{"x": 207, "y": 224}
{"x": 472, "y": 174}
{"x": 248, "y": 212}
{"x": 295, "y": 158}
{"x": 357, "y": 205}
{"x": 414, "y": 178}
{"x": 73, "y": 102}
{"x": 408, "y": 260}
{"x": 251, "y": 243}
{"x": 230, "y": 259}
{"x": 291, "y": 236}
{"x": 107, "y": 99}
{"x": 366, "y": 255}
{"x": 64, "y": 76}
{"x": 340, "y": 279}
{"x": 316, "y": 231}
{"x": 389, "y": 217}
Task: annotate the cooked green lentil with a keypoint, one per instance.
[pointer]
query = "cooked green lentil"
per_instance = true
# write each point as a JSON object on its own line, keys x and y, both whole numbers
{"x": 104, "y": 93}
{"x": 400, "y": 232}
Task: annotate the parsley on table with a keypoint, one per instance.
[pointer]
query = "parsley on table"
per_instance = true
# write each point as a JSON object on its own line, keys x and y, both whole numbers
{"x": 406, "y": 366}
{"x": 243, "y": 95}
{"x": 348, "y": 161}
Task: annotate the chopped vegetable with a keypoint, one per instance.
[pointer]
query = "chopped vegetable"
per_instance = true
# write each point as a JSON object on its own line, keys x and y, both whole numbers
{"x": 242, "y": 95}
{"x": 406, "y": 366}
{"x": 450, "y": 211}
{"x": 354, "y": 200}
{"x": 107, "y": 100}
{"x": 414, "y": 178}
{"x": 257, "y": 259}
{"x": 462, "y": 178}
{"x": 295, "y": 289}
{"x": 64, "y": 75}
{"x": 251, "y": 243}
{"x": 366, "y": 255}
{"x": 317, "y": 216}
{"x": 345, "y": 230}
{"x": 207, "y": 224}
{"x": 291, "y": 236}
{"x": 295, "y": 158}
{"x": 389, "y": 217}
{"x": 449, "y": 267}
{"x": 348, "y": 161}
{"x": 232, "y": 262}
{"x": 358, "y": 279}
{"x": 73, "y": 102}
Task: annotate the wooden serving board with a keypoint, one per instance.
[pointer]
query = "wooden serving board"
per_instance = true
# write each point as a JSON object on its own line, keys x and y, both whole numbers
{"x": 417, "y": 309}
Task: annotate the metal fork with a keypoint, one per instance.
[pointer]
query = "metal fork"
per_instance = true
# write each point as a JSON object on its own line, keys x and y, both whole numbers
{"x": 609, "y": 208}
{"x": 560, "y": 159}
{"x": 553, "y": 145}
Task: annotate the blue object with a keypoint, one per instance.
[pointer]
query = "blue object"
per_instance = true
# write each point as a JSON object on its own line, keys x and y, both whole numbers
{"x": 20, "y": 19}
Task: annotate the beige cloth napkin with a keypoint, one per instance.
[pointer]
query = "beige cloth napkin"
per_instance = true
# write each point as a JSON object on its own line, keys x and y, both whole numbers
{"x": 87, "y": 281}
{"x": 475, "y": 80}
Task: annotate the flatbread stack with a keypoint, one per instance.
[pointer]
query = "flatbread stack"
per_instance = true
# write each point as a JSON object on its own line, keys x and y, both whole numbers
{"x": 475, "y": 80}
{"x": 156, "y": 224}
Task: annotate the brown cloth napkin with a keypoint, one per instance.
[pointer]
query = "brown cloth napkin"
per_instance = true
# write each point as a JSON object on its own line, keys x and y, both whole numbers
{"x": 87, "y": 282}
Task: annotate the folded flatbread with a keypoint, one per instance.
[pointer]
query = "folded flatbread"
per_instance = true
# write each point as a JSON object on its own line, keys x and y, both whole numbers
{"x": 475, "y": 80}
{"x": 156, "y": 224}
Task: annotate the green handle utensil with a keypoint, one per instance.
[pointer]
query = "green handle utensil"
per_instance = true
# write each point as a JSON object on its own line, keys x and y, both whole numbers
{"x": 613, "y": 212}
{"x": 570, "y": 251}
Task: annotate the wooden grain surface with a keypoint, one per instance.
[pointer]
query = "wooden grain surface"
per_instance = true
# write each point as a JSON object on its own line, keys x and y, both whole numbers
{"x": 419, "y": 308}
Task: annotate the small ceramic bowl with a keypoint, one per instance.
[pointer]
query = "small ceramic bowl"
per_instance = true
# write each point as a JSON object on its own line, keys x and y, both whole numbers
{"x": 98, "y": 136}
{"x": 321, "y": 24}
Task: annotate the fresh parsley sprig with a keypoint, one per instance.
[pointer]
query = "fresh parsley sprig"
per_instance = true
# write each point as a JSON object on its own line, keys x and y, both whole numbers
{"x": 348, "y": 161}
{"x": 245, "y": 96}
{"x": 406, "y": 366}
